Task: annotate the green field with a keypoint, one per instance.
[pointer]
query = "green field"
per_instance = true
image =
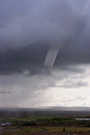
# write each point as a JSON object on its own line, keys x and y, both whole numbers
{"x": 45, "y": 126}
{"x": 45, "y": 130}
{"x": 47, "y": 121}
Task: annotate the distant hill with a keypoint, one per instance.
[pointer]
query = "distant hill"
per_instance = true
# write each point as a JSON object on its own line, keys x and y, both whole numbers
{"x": 45, "y": 111}
{"x": 54, "y": 108}
{"x": 70, "y": 108}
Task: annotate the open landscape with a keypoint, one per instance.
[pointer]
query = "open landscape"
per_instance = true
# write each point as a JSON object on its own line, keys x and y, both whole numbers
{"x": 44, "y": 67}
{"x": 41, "y": 122}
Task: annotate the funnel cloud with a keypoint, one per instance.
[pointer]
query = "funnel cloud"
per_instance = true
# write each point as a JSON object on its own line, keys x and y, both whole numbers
{"x": 41, "y": 36}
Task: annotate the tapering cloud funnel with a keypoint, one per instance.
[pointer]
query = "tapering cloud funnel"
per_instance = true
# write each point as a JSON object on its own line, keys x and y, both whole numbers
{"x": 54, "y": 49}
{"x": 51, "y": 56}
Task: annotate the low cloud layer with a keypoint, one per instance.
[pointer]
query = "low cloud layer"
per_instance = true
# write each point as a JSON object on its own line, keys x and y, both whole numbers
{"x": 66, "y": 88}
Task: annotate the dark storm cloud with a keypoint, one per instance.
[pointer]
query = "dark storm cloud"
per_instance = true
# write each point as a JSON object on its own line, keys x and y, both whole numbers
{"x": 37, "y": 20}
{"x": 28, "y": 28}
{"x": 24, "y": 22}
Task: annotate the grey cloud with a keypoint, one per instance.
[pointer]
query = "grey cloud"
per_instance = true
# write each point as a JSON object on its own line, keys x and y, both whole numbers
{"x": 29, "y": 90}
{"x": 31, "y": 20}
{"x": 72, "y": 84}
{"x": 39, "y": 23}
{"x": 27, "y": 30}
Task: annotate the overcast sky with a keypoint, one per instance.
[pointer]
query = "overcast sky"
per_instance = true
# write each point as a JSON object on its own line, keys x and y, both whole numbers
{"x": 37, "y": 20}
{"x": 28, "y": 28}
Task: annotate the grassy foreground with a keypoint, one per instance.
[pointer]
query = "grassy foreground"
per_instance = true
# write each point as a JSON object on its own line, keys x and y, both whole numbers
{"x": 46, "y": 131}
{"x": 45, "y": 126}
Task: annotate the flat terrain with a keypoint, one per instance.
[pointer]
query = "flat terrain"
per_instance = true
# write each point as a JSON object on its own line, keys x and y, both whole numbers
{"x": 37, "y": 122}
{"x": 44, "y": 126}
{"x": 45, "y": 131}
